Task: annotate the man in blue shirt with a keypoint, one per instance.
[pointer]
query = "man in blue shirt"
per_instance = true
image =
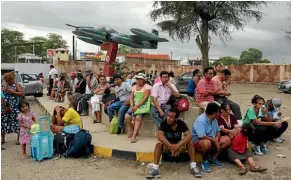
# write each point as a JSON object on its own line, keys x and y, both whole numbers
{"x": 206, "y": 137}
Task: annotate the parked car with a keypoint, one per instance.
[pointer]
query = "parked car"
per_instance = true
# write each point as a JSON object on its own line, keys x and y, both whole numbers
{"x": 30, "y": 84}
{"x": 285, "y": 86}
{"x": 182, "y": 81}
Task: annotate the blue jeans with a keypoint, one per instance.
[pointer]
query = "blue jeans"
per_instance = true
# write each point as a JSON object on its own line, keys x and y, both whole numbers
{"x": 155, "y": 115}
{"x": 84, "y": 104}
{"x": 122, "y": 111}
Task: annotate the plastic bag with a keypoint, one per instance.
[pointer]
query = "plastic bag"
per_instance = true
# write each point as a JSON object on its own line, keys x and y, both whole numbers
{"x": 113, "y": 128}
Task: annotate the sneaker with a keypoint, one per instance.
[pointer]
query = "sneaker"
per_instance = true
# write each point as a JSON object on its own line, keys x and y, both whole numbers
{"x": 120, "y": 130}
{"x": 264, "y": 148}
{"x": 206, "y": 166}
{"x": 282, "y": 138}
{"x": 153, "y": 173}
{"x": 217, "y": 163}
{"x": 196, "y": 172}
{"x": 278, "y": 140}
{"x": 84, "y": 114}
{"x": 257, "y": 150}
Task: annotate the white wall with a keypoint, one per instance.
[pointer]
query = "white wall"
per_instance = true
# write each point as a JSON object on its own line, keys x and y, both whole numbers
{"x": 29, "y": 68}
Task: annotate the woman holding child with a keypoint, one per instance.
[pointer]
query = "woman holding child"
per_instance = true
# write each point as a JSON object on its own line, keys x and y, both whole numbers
{"x": 264, "y": 129}
{"x": 97, "y": 98}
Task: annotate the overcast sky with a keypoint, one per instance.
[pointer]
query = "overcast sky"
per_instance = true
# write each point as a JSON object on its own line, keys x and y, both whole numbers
{"x": 41, "y": 18}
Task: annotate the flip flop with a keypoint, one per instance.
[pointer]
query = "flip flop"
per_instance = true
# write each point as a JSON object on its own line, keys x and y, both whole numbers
{"x": 96, "y": 121}
{"x": 133, "y": 140}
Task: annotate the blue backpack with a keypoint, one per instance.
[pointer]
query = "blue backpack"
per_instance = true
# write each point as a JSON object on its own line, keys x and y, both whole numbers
{"x": 80, "y": 146}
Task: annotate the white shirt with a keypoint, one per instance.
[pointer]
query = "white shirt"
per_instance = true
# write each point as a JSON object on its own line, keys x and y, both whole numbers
{"x": 52, "y": 72}
{"x": 88, "y": 91}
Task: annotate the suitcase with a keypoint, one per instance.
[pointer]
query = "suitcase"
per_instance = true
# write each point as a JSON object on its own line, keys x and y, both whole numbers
{"x": 41, "y": 144}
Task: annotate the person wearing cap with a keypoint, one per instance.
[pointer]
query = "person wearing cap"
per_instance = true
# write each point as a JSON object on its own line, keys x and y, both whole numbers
{"x": 140, "y": 87}
{"x": 122, "y": 91}
{"x": 161, "y": 93}
{"x": 74, "y": 81}
{"x": 91, "y": 85}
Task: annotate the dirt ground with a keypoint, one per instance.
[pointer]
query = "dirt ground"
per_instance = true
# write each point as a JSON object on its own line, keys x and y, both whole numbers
{"x": 111, "y": 169}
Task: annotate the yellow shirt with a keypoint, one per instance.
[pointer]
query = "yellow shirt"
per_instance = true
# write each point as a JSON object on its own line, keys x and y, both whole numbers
{"x": 72, "y": 117}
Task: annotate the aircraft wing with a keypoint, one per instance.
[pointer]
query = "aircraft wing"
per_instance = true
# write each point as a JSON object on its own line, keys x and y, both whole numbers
{"x": 163, "y": 40}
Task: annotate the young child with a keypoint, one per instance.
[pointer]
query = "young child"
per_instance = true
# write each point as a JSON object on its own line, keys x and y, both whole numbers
{"x": 274, "y": 112}
{"x": 26, "y": 118}
{"x": 239, "y": 151}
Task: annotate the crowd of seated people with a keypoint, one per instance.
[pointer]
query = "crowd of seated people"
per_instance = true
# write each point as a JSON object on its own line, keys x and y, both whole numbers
{"x": 216, "y": 134}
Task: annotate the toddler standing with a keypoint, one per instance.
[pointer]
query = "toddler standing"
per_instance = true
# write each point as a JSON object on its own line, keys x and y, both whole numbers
{"x": 26, "y": 118}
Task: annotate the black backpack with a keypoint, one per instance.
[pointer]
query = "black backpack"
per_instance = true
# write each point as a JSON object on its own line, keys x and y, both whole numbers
{"x": 62, "y": 142}
{"x": 80, "y": 146}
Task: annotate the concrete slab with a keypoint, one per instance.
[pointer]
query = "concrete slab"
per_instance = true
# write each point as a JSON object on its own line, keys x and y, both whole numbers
{"x": 111, "y": 145}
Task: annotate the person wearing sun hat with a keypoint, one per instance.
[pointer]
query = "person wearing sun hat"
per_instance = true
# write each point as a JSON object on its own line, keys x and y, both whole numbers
{"x": 139, "y": 89}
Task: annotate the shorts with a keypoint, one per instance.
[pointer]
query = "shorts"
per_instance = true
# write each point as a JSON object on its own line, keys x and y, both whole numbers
{"x": 182, "y": 150}
{"x": 130, "y": 113}
{"x": 198, "y": 147}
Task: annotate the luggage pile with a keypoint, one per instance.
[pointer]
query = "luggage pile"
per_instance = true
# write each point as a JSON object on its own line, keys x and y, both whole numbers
{"x": 72, "y": 142}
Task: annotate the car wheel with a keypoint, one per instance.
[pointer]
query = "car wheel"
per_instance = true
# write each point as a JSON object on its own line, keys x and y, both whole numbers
{"x": 289, "y": 90}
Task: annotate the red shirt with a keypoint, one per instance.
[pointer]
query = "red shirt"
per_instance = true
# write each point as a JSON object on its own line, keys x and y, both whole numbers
{"x": 239, "y": 143}
{"x": 203, "y": 86}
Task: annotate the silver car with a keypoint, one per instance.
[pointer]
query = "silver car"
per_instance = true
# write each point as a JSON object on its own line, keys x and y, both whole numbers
{"x": 285, "y": 86}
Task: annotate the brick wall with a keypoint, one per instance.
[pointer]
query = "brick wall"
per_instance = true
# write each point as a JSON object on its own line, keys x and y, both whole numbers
{"x": 240, "y": 73}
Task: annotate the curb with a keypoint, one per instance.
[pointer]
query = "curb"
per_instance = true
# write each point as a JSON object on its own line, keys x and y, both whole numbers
{"x": 115, "y": 153}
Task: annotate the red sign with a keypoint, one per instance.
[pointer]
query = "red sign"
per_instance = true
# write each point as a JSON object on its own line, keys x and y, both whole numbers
{"x": 50, "y": 52}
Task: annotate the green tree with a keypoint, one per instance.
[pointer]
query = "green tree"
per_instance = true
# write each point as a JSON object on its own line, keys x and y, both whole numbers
{"x": 183, "y": 19}
{"x": 251, "y": 56}
{"x": 55, "y": 41}
{"x": 11, "y": 47}
{"x": 227, "y": 60}
{"x": 122, "y": 49}
{"x": 39, "y": 49}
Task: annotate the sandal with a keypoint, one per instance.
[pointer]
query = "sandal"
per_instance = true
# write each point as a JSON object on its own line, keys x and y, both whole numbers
{"x": 256, "y": 168}
{"x": 96, "y": 121}
{"x": 133, "y": 140}
{"x": 24, "y": 156}
{"x": 243, "y": 171}
{"x": 3, "y": 148}
{"x": 130, "y": 134}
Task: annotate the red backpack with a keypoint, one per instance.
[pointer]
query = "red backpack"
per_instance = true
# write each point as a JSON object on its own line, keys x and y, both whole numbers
{"x": 183, "y": 104}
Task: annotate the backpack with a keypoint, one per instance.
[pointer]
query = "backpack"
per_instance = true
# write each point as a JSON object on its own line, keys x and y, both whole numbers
{"x": 113, "y": 127}
{"x": 62, "y": 142}
{"x": 181, "y": 103}
{"x": 80, "y": 146}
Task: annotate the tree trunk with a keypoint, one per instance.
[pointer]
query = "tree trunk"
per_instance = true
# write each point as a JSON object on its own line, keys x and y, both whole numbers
{"x": 205, "y": 44}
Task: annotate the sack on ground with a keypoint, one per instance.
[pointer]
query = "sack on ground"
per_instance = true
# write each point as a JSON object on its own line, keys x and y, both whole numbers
{"x": 62, "y": 142}
{"x": 113, "y": 128}
{"x": 80, "y": 146}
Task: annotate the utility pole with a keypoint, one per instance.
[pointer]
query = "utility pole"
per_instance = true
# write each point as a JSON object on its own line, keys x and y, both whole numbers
{"x": 171, "y": 55}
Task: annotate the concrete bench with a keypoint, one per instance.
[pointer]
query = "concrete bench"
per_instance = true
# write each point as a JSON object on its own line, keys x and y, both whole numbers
{"x": 148, "y": 127}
